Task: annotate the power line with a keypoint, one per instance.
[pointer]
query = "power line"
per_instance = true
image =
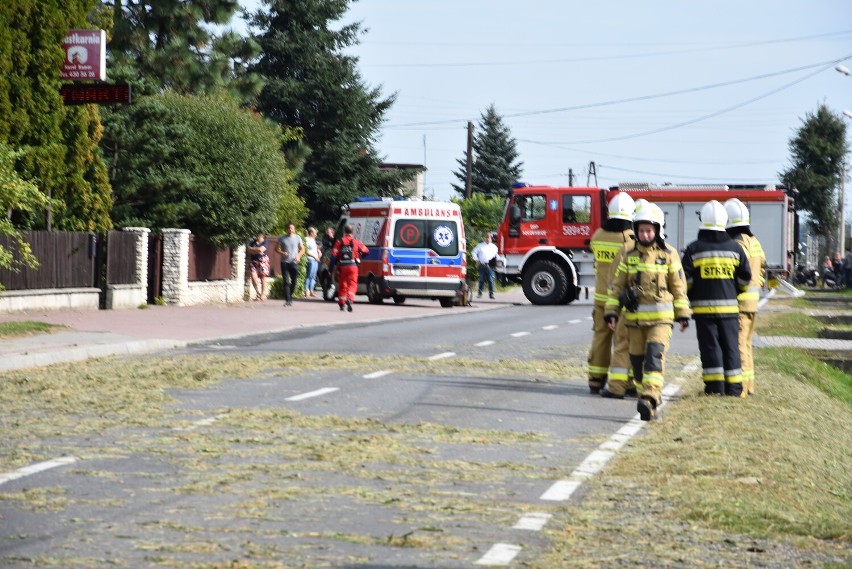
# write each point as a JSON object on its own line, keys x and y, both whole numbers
{"x": 823, "y": 65}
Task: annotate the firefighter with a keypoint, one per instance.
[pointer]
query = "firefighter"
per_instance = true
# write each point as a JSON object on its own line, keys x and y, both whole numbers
{"x": 649, "y": 284}
{"x": 717, "y": 269}
{"x": 739, "y": 229}
{"x": 606, "y": 242}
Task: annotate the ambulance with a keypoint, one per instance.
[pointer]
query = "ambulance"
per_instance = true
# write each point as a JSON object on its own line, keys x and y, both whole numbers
{"x": 417, "y": 250}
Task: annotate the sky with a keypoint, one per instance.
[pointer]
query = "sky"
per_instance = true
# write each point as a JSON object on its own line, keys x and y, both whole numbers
{"x": 657, "y": 91}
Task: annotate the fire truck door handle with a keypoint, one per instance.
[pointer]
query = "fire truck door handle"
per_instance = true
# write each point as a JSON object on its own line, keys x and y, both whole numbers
{"x": 542, "y": 241}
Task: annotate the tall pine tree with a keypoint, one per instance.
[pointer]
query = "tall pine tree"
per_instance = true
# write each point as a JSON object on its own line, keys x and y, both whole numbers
{"x": 496, "y": 166}
{"x": 817, "y": 153}
{"x": 313, "y": 85}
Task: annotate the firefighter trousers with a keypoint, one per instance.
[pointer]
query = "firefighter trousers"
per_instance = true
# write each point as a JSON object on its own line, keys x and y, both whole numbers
{"x": 600, "y": 350}
{"x": 620, "y": 373}
{"x": 718, "y": 343}
{"x": 747, "y": 323}
{"x": 647, "y": 346}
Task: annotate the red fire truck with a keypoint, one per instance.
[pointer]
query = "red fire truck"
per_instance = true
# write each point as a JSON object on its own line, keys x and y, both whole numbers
{"x": 544, "y": 236}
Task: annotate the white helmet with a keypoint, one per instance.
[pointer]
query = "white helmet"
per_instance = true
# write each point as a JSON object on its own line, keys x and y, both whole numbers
{"x": 621, "y": 207}
{"x": 737, "y": 213}
{"x": 713, "y": 216}
{"x": 648, "y": 212}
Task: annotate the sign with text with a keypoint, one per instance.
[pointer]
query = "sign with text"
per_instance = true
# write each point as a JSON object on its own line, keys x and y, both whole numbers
{"x": 98, "y": 94}
{"x": 85, "y": 55}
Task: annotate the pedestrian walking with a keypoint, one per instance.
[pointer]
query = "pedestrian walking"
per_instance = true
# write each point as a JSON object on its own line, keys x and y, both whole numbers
{"x": 347, "y": 253}
{"x": 291, "y": 248}
{"x": 313, "y": 254}
{"x": 259, "y": 261}
{"x": 485, "y": 257}
{"x": 606, "y": 243}
{"x": 739, "y": 229}
{"x": 717, "y": 270}
{"x": 649, "y": 285}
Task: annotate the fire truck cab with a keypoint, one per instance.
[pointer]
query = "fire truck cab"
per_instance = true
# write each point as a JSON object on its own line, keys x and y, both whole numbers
{"x": 544, "y": 237}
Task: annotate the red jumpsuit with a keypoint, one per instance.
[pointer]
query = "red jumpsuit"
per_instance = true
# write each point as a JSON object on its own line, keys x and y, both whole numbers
{"x": 347, "y": 276}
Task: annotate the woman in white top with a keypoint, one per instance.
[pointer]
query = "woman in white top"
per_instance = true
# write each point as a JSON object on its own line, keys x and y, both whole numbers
{"x": 313, "y": 261}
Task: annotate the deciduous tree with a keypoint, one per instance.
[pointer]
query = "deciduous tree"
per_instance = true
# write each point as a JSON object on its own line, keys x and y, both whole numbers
{"x": 816, "y": 155}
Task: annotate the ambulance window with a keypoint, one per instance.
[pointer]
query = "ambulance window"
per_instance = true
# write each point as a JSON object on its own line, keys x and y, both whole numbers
{"x": 532, "y": 207}
{"x": 410, "y": 233}
{"x": 576, "y": 209}
{"x": 444, "y": 237}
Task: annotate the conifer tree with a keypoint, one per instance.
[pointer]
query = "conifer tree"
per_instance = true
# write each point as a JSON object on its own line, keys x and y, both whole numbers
{"x": 313, "y": 85}
{"x": 54, "y": 146}
{"x": 496, "y": 166}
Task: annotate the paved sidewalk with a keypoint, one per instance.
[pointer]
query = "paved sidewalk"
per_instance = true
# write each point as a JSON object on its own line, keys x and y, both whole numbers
{"x": 99, "y": 333}
{"x": 804, "y": 343}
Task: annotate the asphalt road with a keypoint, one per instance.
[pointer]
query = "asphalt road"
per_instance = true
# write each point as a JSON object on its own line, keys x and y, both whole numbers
{"x": 416, "y": 443}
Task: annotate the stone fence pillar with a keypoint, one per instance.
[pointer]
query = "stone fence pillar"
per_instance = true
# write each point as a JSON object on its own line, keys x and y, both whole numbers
{"x": 175, "y": 265}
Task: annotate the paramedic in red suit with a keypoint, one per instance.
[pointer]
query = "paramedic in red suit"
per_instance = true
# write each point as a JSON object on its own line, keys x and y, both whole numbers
{"x": 347, "y": 253}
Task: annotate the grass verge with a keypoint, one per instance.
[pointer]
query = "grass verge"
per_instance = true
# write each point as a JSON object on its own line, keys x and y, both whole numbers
{"x": 727, "y": 482}
{"x": 25, "y": 328}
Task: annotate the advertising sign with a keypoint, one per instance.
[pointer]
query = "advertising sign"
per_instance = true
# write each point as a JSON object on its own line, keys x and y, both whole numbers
{"x": 85, "y": 55}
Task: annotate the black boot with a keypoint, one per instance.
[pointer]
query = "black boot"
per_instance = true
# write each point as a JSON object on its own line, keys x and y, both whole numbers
{"x": 348, "y": 305}
{"x": 646, "y": 407}
{"x": 609, "y": 394}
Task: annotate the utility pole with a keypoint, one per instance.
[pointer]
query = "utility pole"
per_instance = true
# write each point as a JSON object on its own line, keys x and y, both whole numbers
{"x": 842, "y": 229}
{"x": 468, "y": 180}
{"x": 592, "y": 172}
{"x": 570, "y": 177}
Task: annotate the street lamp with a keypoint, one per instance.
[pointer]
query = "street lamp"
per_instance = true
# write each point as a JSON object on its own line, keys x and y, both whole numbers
{"x": 842, "y": 229}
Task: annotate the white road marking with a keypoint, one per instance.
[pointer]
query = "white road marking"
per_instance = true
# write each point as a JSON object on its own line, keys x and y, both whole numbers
{"x": 499, "y": 554}
{"x": 442, "y": 355}
{"x": 690, "y": 368}
{"x": 484, "y": 343}
{"x": 575, "y": 321}
{"x": 519, "y": 334}
{"x": 201, "y": 423}
{"x": 533, "y": 521}
{"x": 36, "y": 468}
{"x": 550, "y": 327}
{"x": 562, "y": 490}
{"x": 310, "y": 394}
{"x": 377, "y": 374}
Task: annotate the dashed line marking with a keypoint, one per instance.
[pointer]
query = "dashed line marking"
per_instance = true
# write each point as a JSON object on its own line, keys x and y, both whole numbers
{"x": 550, "y": 327}
{"x": 377, "y": 374}
{"x": 484, "y": 343}
{"x": 200, "y": 423}
{"x": 533, "y": 521}
{"x": 576, "y": 321}
{"x": 499, "y": 554}
{"x": 442, "y": 355}
{"x": 36, "y": 468}
{"x": 310, "y": 394}
{"x": 562, "y": 490}
{"x": 519, "y": 334}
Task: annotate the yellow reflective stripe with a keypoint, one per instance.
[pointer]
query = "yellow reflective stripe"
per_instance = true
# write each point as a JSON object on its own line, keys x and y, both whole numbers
{"x": 599, "y": 297}
{"x": 653, "y": 378}
{"x": 738, "y": 378}
{"x": 600, "y": 370}
{"x": 715, "y": 309}
{"x": 649, "y": 316}
{"x": 745, "y": 296}
{"x": 713, "y": 376}
{"x": 681, "y": 303}
{"x": 620, "y": 375}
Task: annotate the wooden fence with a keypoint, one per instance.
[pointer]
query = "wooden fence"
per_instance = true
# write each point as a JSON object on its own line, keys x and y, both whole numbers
{"x": 67, "y": 259}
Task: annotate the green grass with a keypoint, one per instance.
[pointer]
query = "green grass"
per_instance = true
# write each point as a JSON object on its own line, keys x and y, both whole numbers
{"x": 25, "y": 328}
{"x": 788, "y": 324}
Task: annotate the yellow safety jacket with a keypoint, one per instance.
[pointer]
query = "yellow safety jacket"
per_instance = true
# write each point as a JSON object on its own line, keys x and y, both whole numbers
{"x": 757, "y": 261}
{"x": 656, "y": 274}
{"x": 605, "y": 245}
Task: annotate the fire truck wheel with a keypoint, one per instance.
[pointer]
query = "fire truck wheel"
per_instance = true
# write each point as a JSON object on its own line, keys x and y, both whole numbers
{"x": 447, "y": 302}
{"x": 398, "y": 299}
{"x": 374, "y": 293}
{"x": 545, "y": 283}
